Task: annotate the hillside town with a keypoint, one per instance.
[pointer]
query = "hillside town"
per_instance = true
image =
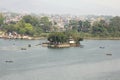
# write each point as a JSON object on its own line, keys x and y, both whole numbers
{"x": 61, "y": 20}
{"x": 29, "y": 25}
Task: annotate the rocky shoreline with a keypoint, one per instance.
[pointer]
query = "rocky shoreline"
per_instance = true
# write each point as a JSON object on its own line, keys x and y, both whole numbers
{"x": 26, "y": 37}
{"x": 15, "y": 35}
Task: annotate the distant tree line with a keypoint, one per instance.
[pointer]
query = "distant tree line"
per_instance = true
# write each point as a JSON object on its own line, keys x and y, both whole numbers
{"x": 100, "y": 28}
{"x": 35, "y": 26}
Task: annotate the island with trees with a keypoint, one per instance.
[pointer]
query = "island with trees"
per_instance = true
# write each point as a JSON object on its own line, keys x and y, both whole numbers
{"x": 63, "y": 39}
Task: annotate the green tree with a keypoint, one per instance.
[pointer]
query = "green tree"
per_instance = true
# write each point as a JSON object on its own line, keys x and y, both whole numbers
{"x": 100, "y": 28}
{"x": 37, "y": 31}
{"x": 32, "y": 20}
{"x": 45, "y": 24}
{"x": 58, "y": 37}
{"x": 21, "y": 27}
{"x": 75, "y": 35}
{"x": 1, "y": 19}
{"x": 115, "y": 22}
{"x": 73, "y": 24}
{"x": 9, "y": 28}
{"x": 86, "y": 26}
{"x": 35, "y": 22}
{"x": 80, "y": 25}
{"x": 114, "y": 26}
{"x": 29, "y": 29}
{"x": 24, "y": 28}
{"x": 22, "y": 31}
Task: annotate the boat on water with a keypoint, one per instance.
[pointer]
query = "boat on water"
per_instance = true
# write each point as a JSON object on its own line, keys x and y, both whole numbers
{"x": 23, "y": 48}
{"x": 9, "y": 61}
{"x": 109, "y": 54}
{"x": 102, "y": 47}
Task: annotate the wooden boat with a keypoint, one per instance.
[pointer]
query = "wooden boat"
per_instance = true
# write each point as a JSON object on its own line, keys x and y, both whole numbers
{"x": 109, "y": 54}
{"x": 9, "y": 61}
{"x": 23, "y": 49}
{"x": 101, "y": 47}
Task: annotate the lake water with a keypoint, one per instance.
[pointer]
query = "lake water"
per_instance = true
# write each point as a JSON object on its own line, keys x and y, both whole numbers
{"x": 75, "y": 63}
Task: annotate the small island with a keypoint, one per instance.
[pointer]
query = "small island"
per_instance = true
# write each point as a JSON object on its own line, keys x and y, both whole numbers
{"x": 63, "y": 40}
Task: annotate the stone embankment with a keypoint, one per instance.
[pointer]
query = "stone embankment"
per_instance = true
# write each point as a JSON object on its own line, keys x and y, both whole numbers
{"x": 62, "y": 45}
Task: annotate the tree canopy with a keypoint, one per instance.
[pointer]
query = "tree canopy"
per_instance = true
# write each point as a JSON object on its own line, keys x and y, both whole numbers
{"x": 62, "y": 37}
{"x": 32, "y": 20}
{"x": 58, "y": 37}
{"x": 45, "y": 24}
{"x": 33, "y": 25}
{"x": 1, "y": 19}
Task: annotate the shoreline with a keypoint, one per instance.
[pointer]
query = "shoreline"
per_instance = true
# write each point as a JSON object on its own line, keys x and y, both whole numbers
{"x": 25, "y": 37}
{"x": 42, "y": 38}
{"x": 28, "y": 38}
{"x": 102, "y": 38}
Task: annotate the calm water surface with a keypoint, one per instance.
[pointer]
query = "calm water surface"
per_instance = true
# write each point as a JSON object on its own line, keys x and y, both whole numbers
{"x": 75, "y": 63}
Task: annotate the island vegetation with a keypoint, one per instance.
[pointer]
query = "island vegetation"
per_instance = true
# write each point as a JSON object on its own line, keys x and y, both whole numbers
{"x": 64, "y": 39}
{"x": 37, "y": 26}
